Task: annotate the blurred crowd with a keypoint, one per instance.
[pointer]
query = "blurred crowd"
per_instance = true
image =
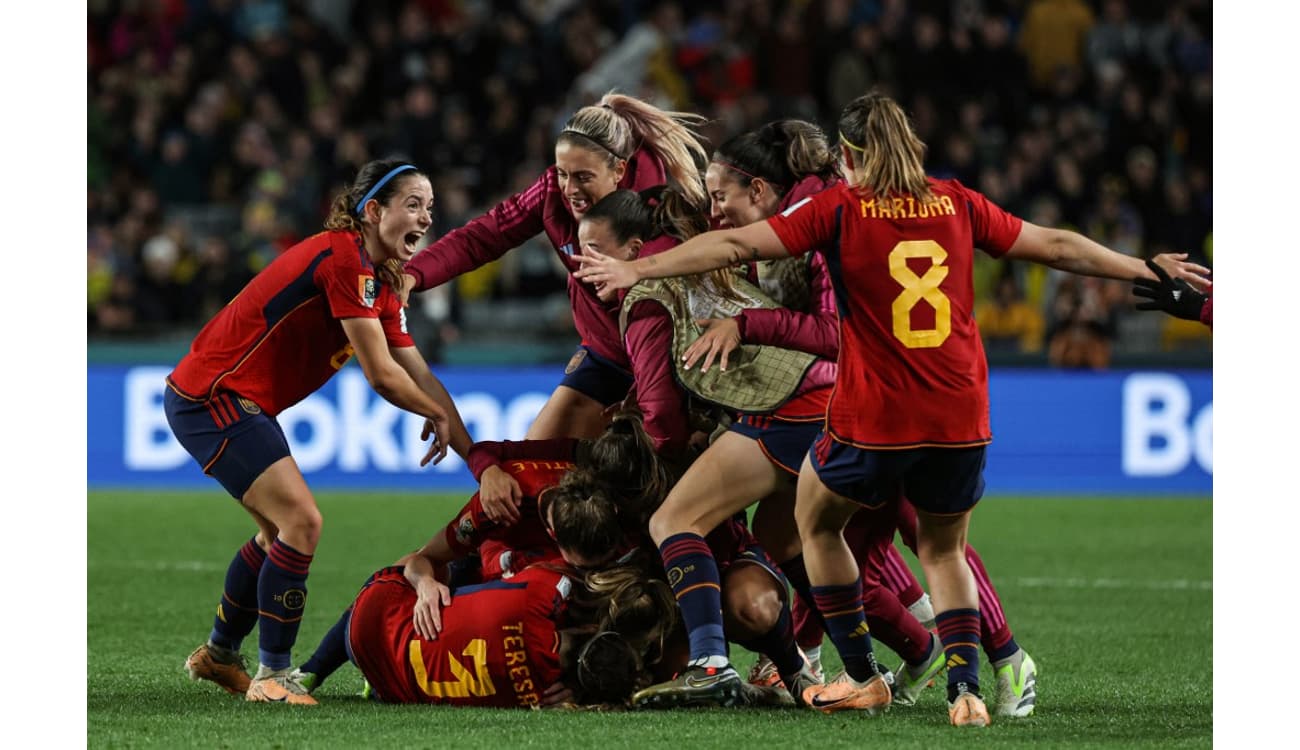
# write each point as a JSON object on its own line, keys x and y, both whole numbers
{"x": 218, "y": 131}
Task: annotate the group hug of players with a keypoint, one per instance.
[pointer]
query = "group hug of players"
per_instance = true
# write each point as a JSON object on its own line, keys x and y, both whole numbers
{"x": 780, "y": 328}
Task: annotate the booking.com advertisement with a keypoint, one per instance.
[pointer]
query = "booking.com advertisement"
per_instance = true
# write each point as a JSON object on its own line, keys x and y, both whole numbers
{"x": 1054, "y": 432}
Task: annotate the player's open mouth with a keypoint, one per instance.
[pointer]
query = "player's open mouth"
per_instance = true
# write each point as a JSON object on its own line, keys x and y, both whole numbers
{"x": 579, "y": 204}
{"x": 412, "y": 238}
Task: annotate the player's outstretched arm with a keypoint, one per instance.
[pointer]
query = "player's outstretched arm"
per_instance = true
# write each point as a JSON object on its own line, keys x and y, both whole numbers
{"x": 703, "y": 252}
{"x": 1070, "y": 251}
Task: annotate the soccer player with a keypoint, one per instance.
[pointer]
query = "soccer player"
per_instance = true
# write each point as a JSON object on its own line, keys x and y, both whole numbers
{"x": 323, "y": 301}
{"x": 622, "y": 142}
{"x": 566, "y": 515}
{"x": 910, "y": 408}
{"x": 750, "y": 177}
{"x": 501, "y": 644}
{"x": 748, "y": 593}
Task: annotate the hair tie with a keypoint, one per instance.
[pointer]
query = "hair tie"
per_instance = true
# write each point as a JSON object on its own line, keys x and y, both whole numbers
{"x": 850, "y": 144}
{"x": 382, "y": 181}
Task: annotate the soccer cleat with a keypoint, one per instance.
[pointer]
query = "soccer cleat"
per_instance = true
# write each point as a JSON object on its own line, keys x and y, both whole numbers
{"x": 766, "y": 696}
{"x": 967, "y": 709}
{"x": 308, "y": 680}
{"x": 1017, "y": 677}
{"x": 278, "y": 687}
{"x": 846, "y": 694}
{"x": 763, "y": 673}
{"x": 909, "y": 681}
{"x": 219, "y": 665}
{"x": 807, "y": 678}
{"x": 696, "y": 686}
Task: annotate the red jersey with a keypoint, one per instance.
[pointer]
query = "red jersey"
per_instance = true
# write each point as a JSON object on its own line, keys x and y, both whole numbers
{"x": 499, "y": 644}
{"x": 912, "y": 370}
{"x": 280, "y": 338}
{"x": 540, "y": 208}
{"x": 506, "y": 549}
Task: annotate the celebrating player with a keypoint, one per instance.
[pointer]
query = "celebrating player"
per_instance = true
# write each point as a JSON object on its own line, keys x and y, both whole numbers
{"x": 910, "y": 407}
{"x": 501, "y": 644}
{"x": 622, "y": 142}
{"x": 321, "y": 302}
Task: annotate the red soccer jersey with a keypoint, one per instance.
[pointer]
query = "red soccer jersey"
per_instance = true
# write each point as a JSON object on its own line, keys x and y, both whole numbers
{"x": 525, "y": 539}
{"x": 499, "y": 644}
{"x": 280, "y": 338}
{"x": 912, "y": 370}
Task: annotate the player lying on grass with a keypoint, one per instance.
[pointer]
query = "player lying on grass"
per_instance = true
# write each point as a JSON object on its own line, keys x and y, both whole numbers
{"x": 576, "y": 526}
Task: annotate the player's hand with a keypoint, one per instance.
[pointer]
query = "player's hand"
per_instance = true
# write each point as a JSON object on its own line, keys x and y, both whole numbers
{"x": 439, "y": 428}
{"x": 1174, "y": 296}
{"x": 558, "y": 694}
{"x": 500, "y": 495}
{"x": 1178, "y": 267}
{"x": 607, "y": 274}
{"x": 721, "y": 337}
{"x": 431, "y": 597}
{"x": 405, "y": 288}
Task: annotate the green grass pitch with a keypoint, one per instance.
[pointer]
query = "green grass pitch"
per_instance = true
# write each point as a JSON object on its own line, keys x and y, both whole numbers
{"x": 1112, "y": 597}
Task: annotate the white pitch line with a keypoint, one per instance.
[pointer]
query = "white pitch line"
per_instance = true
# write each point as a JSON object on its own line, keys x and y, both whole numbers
{"x": 1177, "y": 584}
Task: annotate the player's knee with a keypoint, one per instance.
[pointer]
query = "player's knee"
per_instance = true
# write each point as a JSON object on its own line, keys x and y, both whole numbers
{"x": 304, "y": 529}
{"x": 753, "y": 611}
{"x": 663, "y": 524}
{"x": 940, "y": 551}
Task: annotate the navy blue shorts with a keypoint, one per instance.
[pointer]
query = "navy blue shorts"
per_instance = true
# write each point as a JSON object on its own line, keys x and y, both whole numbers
{"x": 936, "y": 480}
{"x": 594, "y": 376}
{"x": 231, "y": 437}
{"x": 784, "y": 443}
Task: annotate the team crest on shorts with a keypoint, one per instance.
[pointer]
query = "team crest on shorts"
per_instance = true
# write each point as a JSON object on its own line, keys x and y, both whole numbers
{"x": 575, "y": 361}
{"x": 369, "y": 290}
{"x": 249, "y": 407}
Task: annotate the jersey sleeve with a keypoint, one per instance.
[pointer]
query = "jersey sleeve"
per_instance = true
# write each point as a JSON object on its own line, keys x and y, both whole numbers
{"x": 506, "y": 226}
{"x": 816, "y": 331}
{"x": 993, "y": 229}
{"x": 393, "y": 319}
{"x": 662, "y": 402}
{"x": 807, "y": 223}
{"x": 465, "y": 532}
{"x": 351, "y": 290}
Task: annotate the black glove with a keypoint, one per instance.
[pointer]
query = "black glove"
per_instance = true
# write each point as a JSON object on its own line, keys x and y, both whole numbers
{"x": 1174, "y": 296}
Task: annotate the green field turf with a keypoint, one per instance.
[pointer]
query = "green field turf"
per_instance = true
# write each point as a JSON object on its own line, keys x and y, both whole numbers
{"x": 1111, "y": 597}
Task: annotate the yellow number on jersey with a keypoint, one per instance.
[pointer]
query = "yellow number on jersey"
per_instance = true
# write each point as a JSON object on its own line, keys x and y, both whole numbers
{"x": 917, "y": 288}
{"x": 477, "y": 684}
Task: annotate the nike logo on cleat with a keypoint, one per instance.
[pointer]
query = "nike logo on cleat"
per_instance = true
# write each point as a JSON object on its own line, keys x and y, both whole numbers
{"x": 707, "y": 681}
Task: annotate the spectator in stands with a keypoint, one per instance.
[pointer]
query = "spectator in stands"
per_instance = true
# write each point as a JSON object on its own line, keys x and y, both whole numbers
{"x": 1008, "y": 322}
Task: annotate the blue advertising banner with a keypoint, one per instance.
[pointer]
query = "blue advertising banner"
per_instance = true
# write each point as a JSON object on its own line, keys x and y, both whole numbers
{"x": 1054, "y": 432}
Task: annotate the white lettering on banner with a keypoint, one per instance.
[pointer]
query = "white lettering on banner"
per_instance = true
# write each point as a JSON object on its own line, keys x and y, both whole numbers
{"x": 521, "y": 412}
{"x": 367, "y": 428}
{"x": 148, "y": 443}
{"x": 1158, "y": 440}
{"x": 320, "y": 446}
{"x": 360, "y": 432}
{"x": 1203, "y": 434}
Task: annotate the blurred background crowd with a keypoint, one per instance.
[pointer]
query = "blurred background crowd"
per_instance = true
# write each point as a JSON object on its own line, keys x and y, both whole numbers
{"x": 219, "y": 130}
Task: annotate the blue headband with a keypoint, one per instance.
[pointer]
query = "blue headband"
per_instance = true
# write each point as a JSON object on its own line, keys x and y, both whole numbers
{"x": 382, "y": 181}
